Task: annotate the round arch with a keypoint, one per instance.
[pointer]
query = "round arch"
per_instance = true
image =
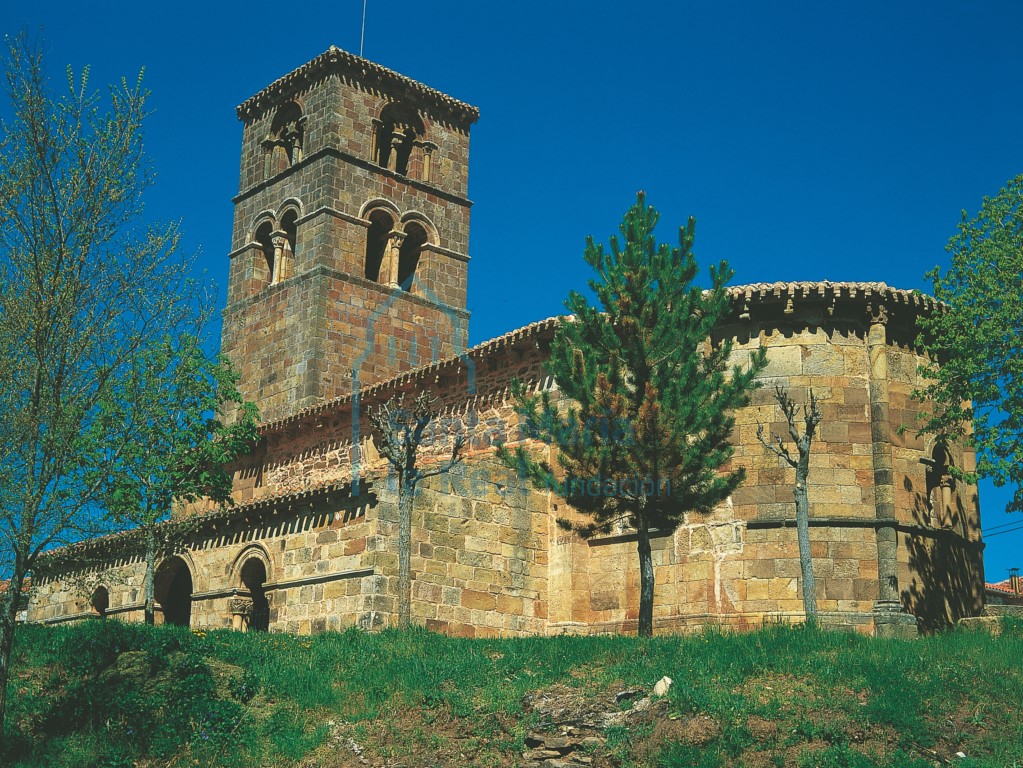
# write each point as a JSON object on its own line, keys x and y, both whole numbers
{"x": 291, "y": 204}
{"x": 382, "y": 220}
{"x": 262, "y": 218}
{"x": 249, "y": 552}
{"x": 252, "y": 570}
{"x": 416, "y": 236}
{"x": 290, "y": 105}
{"x": 376, "y": 203}
{"x": 175, "y": 586}
{"x": 100, "y": 601}
{"x": 401, "y": 114}
{"x": 415, "y": 217}
{"x": 264, "y": 267}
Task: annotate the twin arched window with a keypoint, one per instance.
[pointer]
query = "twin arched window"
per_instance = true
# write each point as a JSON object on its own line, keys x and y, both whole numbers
{"x": 392, "y": 255}
{"x": 277, "y": 243}
{"x": 399, "y": 142}
{"x": 283, "y": 147}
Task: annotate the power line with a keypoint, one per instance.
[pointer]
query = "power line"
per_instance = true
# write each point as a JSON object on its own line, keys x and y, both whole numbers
{"x": 1004, "y": 525}
{"x": 999, "y": 533}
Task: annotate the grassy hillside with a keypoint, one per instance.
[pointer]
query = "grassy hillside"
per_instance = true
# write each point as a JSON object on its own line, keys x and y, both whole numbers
{"x": 111, "y": 694}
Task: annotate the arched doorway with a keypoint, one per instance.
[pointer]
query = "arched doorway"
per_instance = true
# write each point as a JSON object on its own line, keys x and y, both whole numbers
{"x": 253, "y": 579}
{"x": 174, "y": 591}
{"x": 100, "y": 601}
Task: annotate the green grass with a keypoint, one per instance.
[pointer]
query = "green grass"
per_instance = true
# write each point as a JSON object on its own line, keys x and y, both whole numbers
{"x": 112, "y": 694}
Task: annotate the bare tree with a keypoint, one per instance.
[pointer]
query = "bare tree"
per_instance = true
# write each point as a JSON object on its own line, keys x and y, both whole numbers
{"x": 402, "y": 431}
{"x": 801, "y": 463}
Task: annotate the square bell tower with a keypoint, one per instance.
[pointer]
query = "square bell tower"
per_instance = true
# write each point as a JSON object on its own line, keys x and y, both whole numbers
{"x": 350, "y": 245}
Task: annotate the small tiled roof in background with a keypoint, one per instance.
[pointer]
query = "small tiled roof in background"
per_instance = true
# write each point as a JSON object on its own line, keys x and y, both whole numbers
{"x": 1001, "y": 586}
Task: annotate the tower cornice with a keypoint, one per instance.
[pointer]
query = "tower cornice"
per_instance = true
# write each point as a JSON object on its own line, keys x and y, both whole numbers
{"x": 367, "y": 73}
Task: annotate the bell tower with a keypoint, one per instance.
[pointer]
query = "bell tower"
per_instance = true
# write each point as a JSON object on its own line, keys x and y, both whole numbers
{"x": 350, "y": 245}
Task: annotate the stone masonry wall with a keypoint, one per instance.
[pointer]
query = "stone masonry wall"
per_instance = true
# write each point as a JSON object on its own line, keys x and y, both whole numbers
{"x": 488, "y": 557}
{"x": 297, "y": 342}
{"x": 314, "y": 556}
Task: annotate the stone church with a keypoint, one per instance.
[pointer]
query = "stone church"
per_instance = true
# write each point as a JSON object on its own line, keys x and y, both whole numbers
{"x": 348, "y": 281}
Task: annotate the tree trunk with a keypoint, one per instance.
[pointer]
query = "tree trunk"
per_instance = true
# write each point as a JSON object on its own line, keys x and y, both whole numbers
{"x": 406, "y": 494}
{"x": 646, "y": 583}
{"x": 150, "y": 584}
{"x": 803, "y": 535}
{"x": 8, "y": 620}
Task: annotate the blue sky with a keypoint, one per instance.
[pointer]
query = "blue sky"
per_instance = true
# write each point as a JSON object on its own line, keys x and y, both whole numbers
{"x": 811, "y": 140}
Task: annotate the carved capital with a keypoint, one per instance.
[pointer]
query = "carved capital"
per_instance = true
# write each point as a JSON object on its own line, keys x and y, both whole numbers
{"x": 878, "y": 314}
{"x": 279, "y": 239}
{"x": 240, "y": 606}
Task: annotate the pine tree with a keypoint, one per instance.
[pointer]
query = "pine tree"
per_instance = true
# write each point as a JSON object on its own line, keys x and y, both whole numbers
{"x": 651, "y": 398}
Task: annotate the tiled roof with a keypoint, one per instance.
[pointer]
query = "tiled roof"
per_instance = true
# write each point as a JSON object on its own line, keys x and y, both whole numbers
{"x": 478, "y": 352}
{"x": 222, "y": 512}
{"x": 826, "y": 288}
{"x": 1001, "y": 586}
{"x": 26, "y": 586}
{"x": 364, "y": 71}
{"x": 752, "y": 291}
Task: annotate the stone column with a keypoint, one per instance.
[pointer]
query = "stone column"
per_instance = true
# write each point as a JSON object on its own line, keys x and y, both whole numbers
{"x": 889, "y": 615}
{"x": 428, "y": 149}
{"x": 283, "y": 257}
{"x": 389, "y": 267}
{"x": 241, "y": 609}
{"x": 947, "y": 488}
{"x": 397, "y": 140}
{"x": 268, "y": 158}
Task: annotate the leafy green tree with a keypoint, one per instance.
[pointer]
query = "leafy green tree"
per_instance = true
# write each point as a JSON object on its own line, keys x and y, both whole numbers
{"x": 975, "y": 377}
{"x": 83, "y": 287}
{"x": 801, "y": 463}
{"x": 163, "y": 439}
{"x": 402, "y": 430}
{"x": 645, "y": 433}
